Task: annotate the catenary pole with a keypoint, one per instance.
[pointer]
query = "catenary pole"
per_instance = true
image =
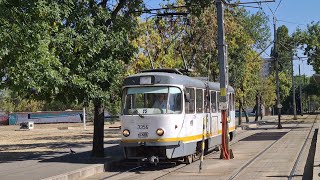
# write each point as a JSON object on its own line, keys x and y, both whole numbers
{"x": 293, "y": 93}
{"x": 223, "y": 101}
{"x": 300, "y": 89}
{"x": 275, "y": 56}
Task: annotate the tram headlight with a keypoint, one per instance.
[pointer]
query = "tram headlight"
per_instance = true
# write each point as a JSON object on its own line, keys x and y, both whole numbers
{"x": 126, "y": 133}
{"x": 160, "y": 132}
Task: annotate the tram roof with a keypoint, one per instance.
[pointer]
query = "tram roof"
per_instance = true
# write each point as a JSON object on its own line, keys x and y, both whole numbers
{"x": 172, "y": 78}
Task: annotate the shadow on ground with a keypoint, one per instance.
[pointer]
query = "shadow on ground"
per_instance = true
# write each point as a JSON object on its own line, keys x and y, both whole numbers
{"x": 82, "y": 152}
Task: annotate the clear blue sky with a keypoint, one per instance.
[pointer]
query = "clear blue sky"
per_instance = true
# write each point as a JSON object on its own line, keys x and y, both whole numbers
{"x": 291, "y": 13}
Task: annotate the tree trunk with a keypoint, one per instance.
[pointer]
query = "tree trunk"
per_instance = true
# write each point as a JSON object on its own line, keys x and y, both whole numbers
{"x": 262, "y": 107}
{"x": 245, "y": 113}
{"x": 98, "y": 131}
{"x": 257, "y": 107}
{"x": 240, "y": 112}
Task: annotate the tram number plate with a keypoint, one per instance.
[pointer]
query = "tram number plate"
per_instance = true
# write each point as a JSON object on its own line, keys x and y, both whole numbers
{"x": 143, "y": 134}
{"x": 142, "y": 126}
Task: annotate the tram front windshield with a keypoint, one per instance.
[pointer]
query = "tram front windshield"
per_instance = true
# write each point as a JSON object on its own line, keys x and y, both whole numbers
{"x": 152, "y": 100}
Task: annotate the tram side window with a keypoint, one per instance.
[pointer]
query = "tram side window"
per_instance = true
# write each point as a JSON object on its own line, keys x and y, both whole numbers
{"x": 206, "y": 100}
{"x": 199, "y": 100}
{"x": 213, "y": 101}
{"x": 231, "y": 105}
{"x": 190, "y": 105}
{"x": 233, "y": 102}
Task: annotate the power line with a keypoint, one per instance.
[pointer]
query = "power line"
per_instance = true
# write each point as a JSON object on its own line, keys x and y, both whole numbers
{"x": 248, "y": 31}
{"x": 267, "y": 54}
{"x": 277, "y": 6}
{"x": 271, "y": 23}
{"x": 252, "y": 2}
{"x": 291, "y": 22}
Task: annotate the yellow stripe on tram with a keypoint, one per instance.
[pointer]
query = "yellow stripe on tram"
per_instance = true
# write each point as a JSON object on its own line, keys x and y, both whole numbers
{"x": 183, "y": 139}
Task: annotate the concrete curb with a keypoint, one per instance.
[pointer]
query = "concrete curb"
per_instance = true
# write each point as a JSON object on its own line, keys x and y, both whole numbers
{"x": 85, "y": 172}
{"x": 316, "y": 163}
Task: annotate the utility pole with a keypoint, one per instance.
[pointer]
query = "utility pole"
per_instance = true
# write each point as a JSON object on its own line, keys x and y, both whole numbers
{"x": 300, "y": 89}
{"x": 275, "y": 56}
{"x": 293, "y": 94}
{"x": 226, "y": 153}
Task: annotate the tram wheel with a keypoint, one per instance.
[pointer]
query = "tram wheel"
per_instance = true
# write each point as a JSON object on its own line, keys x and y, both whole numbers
{"x": 188, "y": 159}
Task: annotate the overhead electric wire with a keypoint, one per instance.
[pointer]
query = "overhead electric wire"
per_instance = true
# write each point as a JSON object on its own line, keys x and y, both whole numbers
{"x": 277, "y": 6}
{"x": 271, "y": 23}
{"x": 170, "y": 7}
{"x": 291, "y": 22}
{"x": 248, "y": 31}
{"x": 267, "y": 54}
{"x": 255, "y": 2}
{"x": 289, "y": 49}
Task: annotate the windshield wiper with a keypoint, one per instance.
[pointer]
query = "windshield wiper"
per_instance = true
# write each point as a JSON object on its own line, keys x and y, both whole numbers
{"x": 137, "y": 112}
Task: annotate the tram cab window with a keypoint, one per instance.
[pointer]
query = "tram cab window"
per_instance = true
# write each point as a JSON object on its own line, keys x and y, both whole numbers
{"x": 213, "y": 101}
{"x": 152, "y": 100}
{"x": 199, "y": 100}
{"x": 190, "y": 105}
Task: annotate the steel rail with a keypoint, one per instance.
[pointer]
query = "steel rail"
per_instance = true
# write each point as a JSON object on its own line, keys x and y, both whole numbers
{"x": 176, "y": 169}
{"x": 292, "y": 173}
{"x": 254, "y": 158}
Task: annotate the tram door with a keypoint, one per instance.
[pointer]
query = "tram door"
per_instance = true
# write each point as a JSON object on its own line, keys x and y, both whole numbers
{"x": 214, "y": 120}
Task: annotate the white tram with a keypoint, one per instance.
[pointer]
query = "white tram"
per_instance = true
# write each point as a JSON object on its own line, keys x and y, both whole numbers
{"x": 171, "y": 128}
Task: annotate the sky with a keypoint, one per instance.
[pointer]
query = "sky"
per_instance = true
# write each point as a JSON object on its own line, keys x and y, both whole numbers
{"x": 291, "y": 13}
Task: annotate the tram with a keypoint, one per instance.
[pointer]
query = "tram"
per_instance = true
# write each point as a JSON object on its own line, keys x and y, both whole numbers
{"x": 162, "y": 116}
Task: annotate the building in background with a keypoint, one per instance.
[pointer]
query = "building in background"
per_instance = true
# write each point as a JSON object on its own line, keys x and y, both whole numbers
{"x": 265, "y": 67}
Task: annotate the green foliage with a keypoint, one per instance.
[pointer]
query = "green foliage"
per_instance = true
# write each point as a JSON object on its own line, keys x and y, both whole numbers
{"x": 268, "y": 91}
{"x": 11, "y": 102}
{"x": 285, "y": 49}
{"x": 166, "y": 41}
{"x": 309, "y": 41}
{"x": 67, "y": 52}
{"x": 71, "y": 51}
{"x": 285, "y": 45}
{"x": 245, "y": 33}
{"x": 158, "y": 43}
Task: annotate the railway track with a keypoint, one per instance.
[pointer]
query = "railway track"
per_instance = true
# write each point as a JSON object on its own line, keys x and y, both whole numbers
{"x": 303, "y": 148}
{"x": 162, "y": 171}
{"x": 292, "y": 173}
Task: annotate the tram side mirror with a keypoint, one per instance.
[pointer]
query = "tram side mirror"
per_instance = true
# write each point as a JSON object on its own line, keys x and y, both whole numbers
{"x": 187, "y": 97}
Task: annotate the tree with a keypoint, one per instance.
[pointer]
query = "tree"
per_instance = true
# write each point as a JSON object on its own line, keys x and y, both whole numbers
{"x": 309, "y": 41}
{"x": 285, "y": 54}
{"x": 71, "y": 51}
{"x": 158, "y": 43}
{"x": 198, "y": 45}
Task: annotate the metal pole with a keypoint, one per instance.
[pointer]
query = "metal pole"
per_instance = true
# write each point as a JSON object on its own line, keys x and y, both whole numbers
{"x": 223, "y": 102}
{"x": 309, "y": 104}
{"x": 300, "y": 89}
{"x": 293, "y": 94}
{"x": 204, "y": 121}
{"x": 275, "y": 54}
{"x": 84, "y": 118}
